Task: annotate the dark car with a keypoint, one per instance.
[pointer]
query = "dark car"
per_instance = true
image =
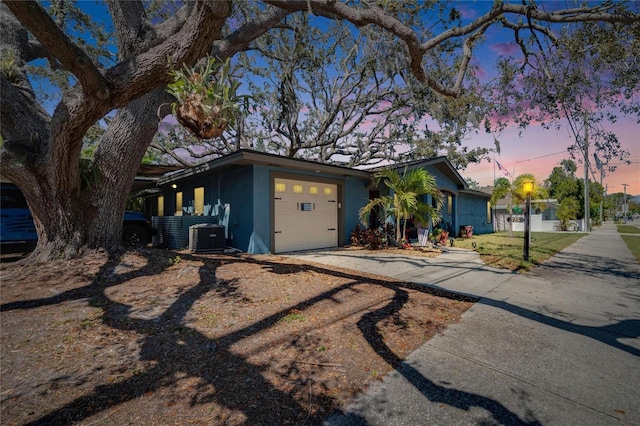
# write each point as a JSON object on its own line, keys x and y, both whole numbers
{"x": 17, "y": 228}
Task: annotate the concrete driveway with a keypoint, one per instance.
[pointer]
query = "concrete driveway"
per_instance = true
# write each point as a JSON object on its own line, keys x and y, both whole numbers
{"x": 559, "y": 345}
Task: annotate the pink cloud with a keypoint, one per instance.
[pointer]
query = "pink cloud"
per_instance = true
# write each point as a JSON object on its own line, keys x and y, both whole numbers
{"x": 505, "y": 48}
{"x": 466, "y": 12}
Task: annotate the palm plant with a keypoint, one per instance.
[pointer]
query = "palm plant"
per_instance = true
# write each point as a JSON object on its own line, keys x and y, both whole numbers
{"x": 403, "y": 198}
{"x": 515, "y": 193}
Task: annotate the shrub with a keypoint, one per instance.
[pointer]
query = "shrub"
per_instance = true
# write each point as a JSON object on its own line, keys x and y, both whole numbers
{"x": 373, "y": 239}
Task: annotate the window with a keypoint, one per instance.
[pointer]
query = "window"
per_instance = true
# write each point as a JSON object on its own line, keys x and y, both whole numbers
{"x": 297, "y": 189}
{"x": 161, "y": 205}
{"x": 281, "y": 187}
{"x": 198, "y": 203}
{"x": 449, "y": 204}
{"x": 178, "y": 203}
{"x": 488, "y": 211}
{"x": 313, "y": 190}
{"x": 328, "y": 191}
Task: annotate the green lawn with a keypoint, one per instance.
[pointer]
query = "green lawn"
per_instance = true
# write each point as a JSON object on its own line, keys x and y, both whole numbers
{"x": 628, "y": 229}
{"x": 633, "y": 242}
{"x": 502, "y": 251}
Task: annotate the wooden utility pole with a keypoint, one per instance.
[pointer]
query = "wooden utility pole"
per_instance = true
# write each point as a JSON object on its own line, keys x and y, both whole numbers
{"x": 625, "y": 208}
{"x": 586, "y": 173}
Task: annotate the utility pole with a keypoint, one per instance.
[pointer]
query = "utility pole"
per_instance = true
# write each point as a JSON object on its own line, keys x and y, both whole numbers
{"x": 606, "y": 193}
{"x": 600, "y": 167}
{"x": 625, "y": 209}
{"x": 586, "y": 173}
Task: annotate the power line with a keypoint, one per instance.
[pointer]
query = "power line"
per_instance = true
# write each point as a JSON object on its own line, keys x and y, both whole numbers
{"x": 542, "y": 156}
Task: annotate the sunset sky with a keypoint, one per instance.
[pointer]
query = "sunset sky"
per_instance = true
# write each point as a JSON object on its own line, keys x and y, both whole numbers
{"x": 538, "y": 150}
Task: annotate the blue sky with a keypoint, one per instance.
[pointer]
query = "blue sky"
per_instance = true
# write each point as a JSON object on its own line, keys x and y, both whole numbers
{"x": 538, "y": 150}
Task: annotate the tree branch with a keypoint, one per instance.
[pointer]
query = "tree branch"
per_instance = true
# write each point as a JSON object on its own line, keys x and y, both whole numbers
{"x": 144, "y": 72}
{"x": 129, "y": 20}
{"x": 416, "y": 50}
{"x": 22, "y": 116}
{"x": 73, "y": 58}
{"x": 239, "y": 40}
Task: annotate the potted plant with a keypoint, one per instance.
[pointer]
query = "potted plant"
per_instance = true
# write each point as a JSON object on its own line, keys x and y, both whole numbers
{"x": 207, "y": 99}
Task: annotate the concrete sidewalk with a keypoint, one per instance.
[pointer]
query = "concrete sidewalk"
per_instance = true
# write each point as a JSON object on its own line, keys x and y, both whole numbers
{"x": 559, "y": 345}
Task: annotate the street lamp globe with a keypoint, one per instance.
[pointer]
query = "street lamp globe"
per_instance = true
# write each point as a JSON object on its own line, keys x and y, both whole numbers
{"x": 527, "y": 186}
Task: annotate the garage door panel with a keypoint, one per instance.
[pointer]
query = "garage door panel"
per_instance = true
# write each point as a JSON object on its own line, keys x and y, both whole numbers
{"x": 306, "y": 218}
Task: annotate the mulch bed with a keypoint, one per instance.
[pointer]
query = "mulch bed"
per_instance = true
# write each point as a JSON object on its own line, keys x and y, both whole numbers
{"x": 160, "y": 337}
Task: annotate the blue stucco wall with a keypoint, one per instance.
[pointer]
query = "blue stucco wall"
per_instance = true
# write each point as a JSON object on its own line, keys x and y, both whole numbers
{"x": 260, "y": 238}
{"x": 442, "y": 181}
{"x": 236, "y": 190}
{"x": 473, "y": 211}
{"x": 356, "y": 195}
{"x": 210, "y": 184}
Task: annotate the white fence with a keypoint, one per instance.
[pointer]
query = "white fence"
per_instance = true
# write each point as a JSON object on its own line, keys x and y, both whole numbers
{"x": 537, "y": 224}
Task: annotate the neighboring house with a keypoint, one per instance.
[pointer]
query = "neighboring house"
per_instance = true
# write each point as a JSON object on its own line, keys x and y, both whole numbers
{"x": 273, "y": 204}
{"x": 543, "y": 215}
{"x": 547, "y": 208}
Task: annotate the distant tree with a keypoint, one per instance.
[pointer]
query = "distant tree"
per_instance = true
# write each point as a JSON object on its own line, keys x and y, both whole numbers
{"x": 403, "y": 198}
{"x": 562, "y": 181}
{"x": 501, "y": 188}
{"x": 567, "y": 211}
{"x": 473, "y": 184}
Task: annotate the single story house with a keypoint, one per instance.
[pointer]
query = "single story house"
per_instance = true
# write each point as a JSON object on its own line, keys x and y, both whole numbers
{"x": 272, "y": 204}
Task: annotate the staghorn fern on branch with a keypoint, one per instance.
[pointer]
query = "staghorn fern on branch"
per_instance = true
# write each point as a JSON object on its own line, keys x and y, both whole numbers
{"x": 206, "y": 100}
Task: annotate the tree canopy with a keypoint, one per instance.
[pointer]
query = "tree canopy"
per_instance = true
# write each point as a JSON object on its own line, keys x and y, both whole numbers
{"x": 121, "y": 74}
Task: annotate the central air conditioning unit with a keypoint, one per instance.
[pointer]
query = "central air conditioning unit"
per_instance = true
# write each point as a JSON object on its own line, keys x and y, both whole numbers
{"x": 205, "y": 237}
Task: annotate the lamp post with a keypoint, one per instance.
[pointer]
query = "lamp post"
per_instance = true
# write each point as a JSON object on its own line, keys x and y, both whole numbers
{"x": 527, "y": 188}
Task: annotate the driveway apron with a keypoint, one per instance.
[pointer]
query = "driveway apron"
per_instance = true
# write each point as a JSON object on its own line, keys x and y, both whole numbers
{"x": 559, "y": 345}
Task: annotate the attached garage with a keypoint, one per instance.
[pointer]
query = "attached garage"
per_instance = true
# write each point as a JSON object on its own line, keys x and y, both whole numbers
{"x": 305, "y": 215}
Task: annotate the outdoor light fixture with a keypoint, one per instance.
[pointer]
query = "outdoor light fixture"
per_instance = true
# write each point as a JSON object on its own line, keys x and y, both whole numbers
{"x": 527, "y": 188}
{"x": 174, "y": 186}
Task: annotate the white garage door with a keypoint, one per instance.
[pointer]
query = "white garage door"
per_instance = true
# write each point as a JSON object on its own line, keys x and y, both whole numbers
{"x": 305, "y": 215}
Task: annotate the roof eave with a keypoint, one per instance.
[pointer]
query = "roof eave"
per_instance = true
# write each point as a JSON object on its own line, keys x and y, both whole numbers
{"x": 248, "y": 157}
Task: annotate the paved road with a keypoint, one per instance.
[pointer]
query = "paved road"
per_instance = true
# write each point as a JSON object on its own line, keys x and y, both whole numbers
{"x": 559, "y": 345}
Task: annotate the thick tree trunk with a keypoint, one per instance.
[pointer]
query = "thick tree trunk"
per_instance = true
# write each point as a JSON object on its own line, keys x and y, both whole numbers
{"x": 74, "y": 222}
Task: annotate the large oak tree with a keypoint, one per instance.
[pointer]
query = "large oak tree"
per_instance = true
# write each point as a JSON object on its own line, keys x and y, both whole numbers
{"x": 78, "y": 205}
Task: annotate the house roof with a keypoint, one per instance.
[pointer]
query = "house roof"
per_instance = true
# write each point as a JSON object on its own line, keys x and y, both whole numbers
{"x": 442, "y": 164}
{"x": 156, "y": 170}
{"x": 246, "y": 157}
